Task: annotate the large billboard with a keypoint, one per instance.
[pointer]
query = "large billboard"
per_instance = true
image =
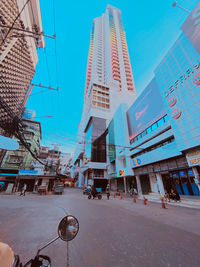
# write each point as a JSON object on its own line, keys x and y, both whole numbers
{"x": 147, "y": 109}
{"x": 191, "y": 27}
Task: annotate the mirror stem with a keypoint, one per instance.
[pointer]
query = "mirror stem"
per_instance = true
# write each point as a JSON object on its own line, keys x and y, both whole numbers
{"x": 47, "y": 245}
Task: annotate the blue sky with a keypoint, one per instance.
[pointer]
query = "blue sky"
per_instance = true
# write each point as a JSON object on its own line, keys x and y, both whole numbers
{"x": 151, "y": 29}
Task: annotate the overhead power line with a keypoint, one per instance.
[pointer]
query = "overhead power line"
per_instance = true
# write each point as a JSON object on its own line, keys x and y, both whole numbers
{"x": 4, "y": 39}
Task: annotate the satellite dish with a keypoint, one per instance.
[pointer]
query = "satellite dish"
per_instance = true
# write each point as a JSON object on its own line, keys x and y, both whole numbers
{"x": 8, "y": 143}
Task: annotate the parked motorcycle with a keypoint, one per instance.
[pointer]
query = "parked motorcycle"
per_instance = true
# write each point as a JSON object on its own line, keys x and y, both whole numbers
{"x": 67, "y": 231}
{"x": 98, "y": 195}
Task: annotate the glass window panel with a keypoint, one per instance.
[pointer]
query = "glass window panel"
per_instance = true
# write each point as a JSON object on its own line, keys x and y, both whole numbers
{"x": 160, "y": 122}
{"x": 149, "y": 130}
{"x": 154, "y": 126}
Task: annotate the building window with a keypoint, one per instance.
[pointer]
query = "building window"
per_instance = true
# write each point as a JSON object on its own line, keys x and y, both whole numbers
{"x": 15, "y": 159}
{"x": 166, "y": 118}
{"x": 154, "y": 126}
{"x": 161, "y": 122}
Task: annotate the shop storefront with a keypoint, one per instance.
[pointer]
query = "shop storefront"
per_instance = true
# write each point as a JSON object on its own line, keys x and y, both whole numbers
{"x": 183, "y": 181}
{"x": 175, "y": 174}
{"x": 8, "y": 179}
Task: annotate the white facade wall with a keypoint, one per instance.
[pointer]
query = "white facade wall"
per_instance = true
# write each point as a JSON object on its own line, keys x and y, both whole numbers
{"x": 101, "y": 73}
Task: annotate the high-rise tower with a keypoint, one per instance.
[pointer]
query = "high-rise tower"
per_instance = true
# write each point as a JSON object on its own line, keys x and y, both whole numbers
{"x": 109, "y": 82}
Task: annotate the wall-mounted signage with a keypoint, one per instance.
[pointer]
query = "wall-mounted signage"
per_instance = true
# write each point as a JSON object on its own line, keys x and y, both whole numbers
{"x": 121, "y": 172}
{"x": 196, "y": 79}
{"x": 175, "y": 175}
{"x": 182, "y": 174}
{"x": 181, "y": 80}
{"x": 136, "y": 162}
{"x": 193, "y": 158}
{"x": 176, "y": 113}
{"x": 172, "y": 101}
{"x": 28, "y": 172}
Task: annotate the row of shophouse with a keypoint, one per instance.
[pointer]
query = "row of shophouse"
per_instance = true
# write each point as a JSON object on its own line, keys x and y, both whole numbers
{"x": 19, "y": 167}
{"x": 154, "y": 143}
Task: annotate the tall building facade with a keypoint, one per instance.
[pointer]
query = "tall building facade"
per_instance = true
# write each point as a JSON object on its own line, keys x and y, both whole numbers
{"x": 163, "y": 139}
{"x": 20, "y": 25}
{"x": 109, "y": 82}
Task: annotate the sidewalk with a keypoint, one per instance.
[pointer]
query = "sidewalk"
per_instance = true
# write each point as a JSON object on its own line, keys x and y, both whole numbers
{"x": 186, "y": 201}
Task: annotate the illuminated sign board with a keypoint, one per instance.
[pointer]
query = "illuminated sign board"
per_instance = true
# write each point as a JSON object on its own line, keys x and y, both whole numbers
{"x": 144, "y": 112}
{"x": 193, "y": 158}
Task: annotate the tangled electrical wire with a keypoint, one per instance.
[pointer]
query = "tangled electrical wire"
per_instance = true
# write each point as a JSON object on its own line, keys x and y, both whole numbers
{"x": 13, "y": 126}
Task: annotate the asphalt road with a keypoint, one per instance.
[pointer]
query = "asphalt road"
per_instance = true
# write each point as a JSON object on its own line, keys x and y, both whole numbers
{"x": 112, "y": 232}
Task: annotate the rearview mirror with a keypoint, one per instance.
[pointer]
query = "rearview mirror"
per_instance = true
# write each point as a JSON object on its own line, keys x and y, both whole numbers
{"x": 68, "y": 228}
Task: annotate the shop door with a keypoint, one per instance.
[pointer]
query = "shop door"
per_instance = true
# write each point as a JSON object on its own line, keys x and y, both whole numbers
{"x": 145, "y": 184}
{"x": 192, "y": 182}
{"x": 168, "y": 183}
{"x": 185, "y": 181}
{"x": 101, "y": 183}
{"x": 194, "y": 186}
{"x": 131, "y": 182}
{"x": 120, "y": 184}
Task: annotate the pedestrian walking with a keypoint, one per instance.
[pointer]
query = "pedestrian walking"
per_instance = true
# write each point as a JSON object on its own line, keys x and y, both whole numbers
{"x": 108, "y": 191}
{"x": 23, "y": 190}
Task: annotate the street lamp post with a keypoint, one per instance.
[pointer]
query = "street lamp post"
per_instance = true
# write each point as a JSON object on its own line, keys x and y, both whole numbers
{"x": 175, "y": 4}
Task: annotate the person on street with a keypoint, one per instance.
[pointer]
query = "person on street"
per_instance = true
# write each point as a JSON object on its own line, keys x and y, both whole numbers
{"x": 23, "y": 190}
{"x": 108, "y": 191}
{"x": 1, "y": 186}
{"x": 174, "y": 195}
{"x": 93, "y": 191}
{"x": 6, "y": 255}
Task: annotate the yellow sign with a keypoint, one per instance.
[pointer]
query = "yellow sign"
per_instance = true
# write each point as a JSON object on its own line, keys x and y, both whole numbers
{"x": 193, "y": 158}
{"x": 121, "y": 172}
{"x": 195, "y": 161}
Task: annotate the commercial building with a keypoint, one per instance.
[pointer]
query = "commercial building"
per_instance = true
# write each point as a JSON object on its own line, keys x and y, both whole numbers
{"x": 109, "y": 82}
{"x": 163, "y": 123}
{"x": 21, "y": 161}
{"x": 48, "y": 167}
{"x": 18, "y": 58}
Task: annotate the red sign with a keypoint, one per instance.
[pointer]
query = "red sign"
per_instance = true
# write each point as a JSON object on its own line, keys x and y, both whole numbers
{"x": 172, "y": 101}
{"x": 196, "y": 79}
{"x": 176, "y": 113}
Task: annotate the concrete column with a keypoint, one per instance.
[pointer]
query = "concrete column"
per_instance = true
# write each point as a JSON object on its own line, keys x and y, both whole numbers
{"x": 160, "y": 184}
{"x": 153, "y": 183}
{"x": 125, "y": 187}
{"x": 196, "y": 177}
{"x": 113, "y": 183}
{"x": 139, "y": 188}
{"x": 80, "y": 179}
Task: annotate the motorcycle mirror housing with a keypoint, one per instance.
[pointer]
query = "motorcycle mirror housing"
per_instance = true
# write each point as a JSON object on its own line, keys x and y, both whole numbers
{"x": 68, "y": 228}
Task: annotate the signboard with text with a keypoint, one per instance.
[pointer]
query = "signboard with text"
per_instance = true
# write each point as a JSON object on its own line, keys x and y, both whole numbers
{"x": 193, "y": 158}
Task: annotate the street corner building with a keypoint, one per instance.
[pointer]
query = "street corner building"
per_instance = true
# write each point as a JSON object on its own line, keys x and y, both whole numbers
{"x": 109, "y": 82}
{"x": 159, "y": 134}
{"x": 20, "y": 36}
{"x": 20, "y": 28}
